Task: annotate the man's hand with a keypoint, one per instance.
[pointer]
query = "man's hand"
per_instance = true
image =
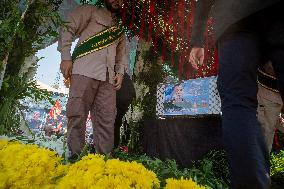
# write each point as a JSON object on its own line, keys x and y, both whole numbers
{"x": 117, "y": 81}
{"x": 196, "y": 56}
{"x": 66, "y": 68}
{"x": 281, "y": 124}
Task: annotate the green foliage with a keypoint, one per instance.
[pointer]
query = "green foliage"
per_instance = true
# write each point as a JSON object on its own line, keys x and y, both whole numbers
{"x": 211, "y": 171}
{"x": 25, "y": 27}
{"x": 13, "y": 90}
{"x": 152, "y": 75}
{"x": 134, "y": 143}
{"x": 163, "y": 169}
{"x": 220, "y": 165}
{"x": 277, "y": 163}
{"x": 277, "y": 180}
{"x": 9, "y": 22}
{"x": 39, "y": 24}
{"x": 277, "y": 170}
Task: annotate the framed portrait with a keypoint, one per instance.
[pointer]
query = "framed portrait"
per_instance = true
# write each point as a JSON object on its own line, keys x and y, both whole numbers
{"x": 189, "y": 97}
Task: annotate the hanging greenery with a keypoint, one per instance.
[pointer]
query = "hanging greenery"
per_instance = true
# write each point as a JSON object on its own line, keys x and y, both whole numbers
{"x": 25, "y": 26}
{"x": 167, "y": 24}
{"x": 151, "y": 76}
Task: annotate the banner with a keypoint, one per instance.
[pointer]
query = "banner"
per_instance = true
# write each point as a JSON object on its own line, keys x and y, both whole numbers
{"x": 189, "y": 97}
{"x": 55, "y": 110}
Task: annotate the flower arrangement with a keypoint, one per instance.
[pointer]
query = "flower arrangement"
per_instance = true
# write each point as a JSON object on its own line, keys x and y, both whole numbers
{"x": 58, "y": 144}
{"x": 182, "y": 184}
{"x": 135, "y": 111}
{"x": 29, "y": 166}
{"x": 26, "y": 166}
{"x": 94, "y": 172}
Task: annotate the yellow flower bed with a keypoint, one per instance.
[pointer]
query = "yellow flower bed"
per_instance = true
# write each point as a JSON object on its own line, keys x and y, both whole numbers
{"x": 3, "y": 143}
{"x": 28, "y": 166}
{"x": 182, "y": 184}
{"x": 93, "y": 172}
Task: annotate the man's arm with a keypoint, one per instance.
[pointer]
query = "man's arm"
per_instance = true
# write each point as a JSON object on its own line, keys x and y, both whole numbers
{"x": 280, "y": 123}
{"x": 121, "y": 60}
{"x": 203, "y": 8}
{"x": 77, "y": 21}
{"x": 121, "y": 56}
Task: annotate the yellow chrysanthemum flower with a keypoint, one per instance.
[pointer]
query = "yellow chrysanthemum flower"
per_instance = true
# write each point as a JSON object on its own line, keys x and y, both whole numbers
{"x": 3, "y": 143}
{"x": 93, "y": 172}
{"x": 28, "y": 166}
{"x": 182, "y": 184}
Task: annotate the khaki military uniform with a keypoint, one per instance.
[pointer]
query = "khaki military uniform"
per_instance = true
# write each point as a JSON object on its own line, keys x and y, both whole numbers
{"x": 269, "y": 108}
{"x": 92, "y": 78}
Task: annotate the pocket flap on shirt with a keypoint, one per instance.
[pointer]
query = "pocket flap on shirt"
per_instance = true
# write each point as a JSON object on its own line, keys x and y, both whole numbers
{"x": 104, "y": 21}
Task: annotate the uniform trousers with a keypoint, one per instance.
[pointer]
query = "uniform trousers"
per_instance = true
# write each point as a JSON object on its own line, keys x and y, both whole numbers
{"x": 99, "y": 98}
{"x": 269, "y": 109}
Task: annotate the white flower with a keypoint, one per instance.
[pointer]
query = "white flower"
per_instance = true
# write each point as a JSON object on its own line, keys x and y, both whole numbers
{"x": 134, "y": 114}
{"x": 40, "y": 139}
{"x": 29, "y": 67}
{"x": 141, "y": 90}
{"x": 4, "y": 137}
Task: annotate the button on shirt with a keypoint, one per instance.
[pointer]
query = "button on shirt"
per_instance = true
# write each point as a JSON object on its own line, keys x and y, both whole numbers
{"x": 84, "y": 22}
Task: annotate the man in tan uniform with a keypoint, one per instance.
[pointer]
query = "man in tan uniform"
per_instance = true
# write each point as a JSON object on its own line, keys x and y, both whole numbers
{"x": 269, "y": 104}
{"x": 96, "y": 68}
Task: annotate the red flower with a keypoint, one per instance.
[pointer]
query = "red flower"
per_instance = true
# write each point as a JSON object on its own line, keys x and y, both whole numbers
{"x": 124, "y": 149}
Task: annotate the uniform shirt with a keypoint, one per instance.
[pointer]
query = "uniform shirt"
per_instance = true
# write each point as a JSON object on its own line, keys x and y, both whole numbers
{"x": 84, "y": 22}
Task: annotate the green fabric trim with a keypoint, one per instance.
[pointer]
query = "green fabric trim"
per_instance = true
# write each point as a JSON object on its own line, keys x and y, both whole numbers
{"x": 97, "y": 42}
